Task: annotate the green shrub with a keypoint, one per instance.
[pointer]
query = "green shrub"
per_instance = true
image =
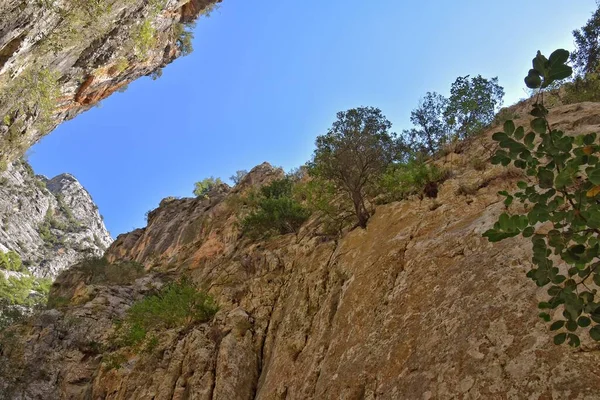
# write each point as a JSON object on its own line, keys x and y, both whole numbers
{"x": 144, "y": 39}
{"x": 275, "y": 211}
{"x": 113, "y": 360}
{"x": 44, "y": 229}
{"x": 582, "y": 89}
{"x": 202, "y": 188}
{"x": 320, "y": 196}
{"x": 40, "y": 184}
{"x": 414, "y": 177}
{"x": 183, "y": 37}
{"x": 177, "y": 305}
{"x": 18, "y": 290}
{"x": 78, "y": 18}
{"x": 35, "y": 90}
{"x": 11, "y": 261}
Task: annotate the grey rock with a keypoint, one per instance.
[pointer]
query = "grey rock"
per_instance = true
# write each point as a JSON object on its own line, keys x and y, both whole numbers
{"x": 75, "y": 228}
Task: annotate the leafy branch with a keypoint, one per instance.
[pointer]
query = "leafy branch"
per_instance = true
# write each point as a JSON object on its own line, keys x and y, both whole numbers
{"x": 563, "y": 203}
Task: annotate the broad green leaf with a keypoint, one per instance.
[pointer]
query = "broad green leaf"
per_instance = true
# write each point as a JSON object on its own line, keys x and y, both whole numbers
{"x": 560, "y": 338}
{"x": 559, "y": 56}
{"x": 563, "y": 179}
{"x": 528, "y": 232}
{"x": 509, "y": 127}
{"x": 539, "y": 63}
{"x": 583, "y": 322}
{"x": 500, "y": 136}
{"x": 546, "y": 178}
{"x": 589, "y": 138}
{"x": 539, "y": 125}
{"x": 533, "y": 79}
{"x": 574, "y": 340}
{"x": 557, "y": 325}
{"x": 595, "y": 333}
{"x": 504, "y": 221}
{"x": 529, "y": 138}
{"x": 559, "y": 72}
{"x": 519, "y": 133}
{"x": 594, "y": 176}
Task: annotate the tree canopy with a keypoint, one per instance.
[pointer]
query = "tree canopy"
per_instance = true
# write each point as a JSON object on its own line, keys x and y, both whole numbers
{"x": 354, "y": 152}
{"x": 202, "y": 188}
{"x": 586, "y": 57}
{"x": 431, "y": 128}
{"x": 473, "y": 104}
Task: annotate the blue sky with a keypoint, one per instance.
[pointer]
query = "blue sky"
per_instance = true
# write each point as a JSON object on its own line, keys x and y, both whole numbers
{"x": 268, "y": 76}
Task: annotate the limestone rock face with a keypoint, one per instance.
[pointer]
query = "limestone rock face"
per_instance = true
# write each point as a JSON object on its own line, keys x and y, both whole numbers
{"x": 58, "y": 58}
{"x": 50, "y": 223}
{"x": 416, "y": 306}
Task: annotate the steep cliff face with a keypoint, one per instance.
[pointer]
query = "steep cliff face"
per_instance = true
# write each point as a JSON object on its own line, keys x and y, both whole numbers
{"x": 60, "y": 57}
{"x": 417, "y": 306}
{"x": 50, "y": 223}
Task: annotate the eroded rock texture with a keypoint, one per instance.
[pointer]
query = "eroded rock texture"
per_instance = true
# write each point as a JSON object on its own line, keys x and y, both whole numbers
{"x": 60, "y": 57}
{"x": 417, "y": 306}
{"x": 50, "y": 223}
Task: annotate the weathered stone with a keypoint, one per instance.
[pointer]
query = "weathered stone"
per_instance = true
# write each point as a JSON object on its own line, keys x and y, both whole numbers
{"x": 75, "y": 227}
{"x": 417, "y": 306}
{"x": 90, "y": 54}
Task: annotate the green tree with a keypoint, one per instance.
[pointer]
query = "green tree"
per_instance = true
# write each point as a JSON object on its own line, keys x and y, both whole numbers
{"x": 563, "y": 194}
{"x": 238, "y": 176}
{"x": 202, "y": 188}
{"x": 473, "y": 104}
{"x": 432, "y": 129}
{"x": 586, "y": 57}
{"x": 356, "y": 150}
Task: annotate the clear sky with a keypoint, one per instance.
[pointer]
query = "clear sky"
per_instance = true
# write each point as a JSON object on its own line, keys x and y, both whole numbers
{"x": 268, "y": 76}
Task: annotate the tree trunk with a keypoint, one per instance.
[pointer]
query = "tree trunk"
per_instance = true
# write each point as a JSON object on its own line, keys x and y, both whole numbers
{"x": 361, "y": 213}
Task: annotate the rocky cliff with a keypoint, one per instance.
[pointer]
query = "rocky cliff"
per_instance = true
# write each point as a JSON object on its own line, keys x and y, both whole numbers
{"x": 417, "y": 306}
{"x": 60, "y": 57}
{"x": 50, "y": 223}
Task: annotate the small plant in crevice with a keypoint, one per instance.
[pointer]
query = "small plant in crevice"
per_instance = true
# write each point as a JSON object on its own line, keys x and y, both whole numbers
{"x": 275, "y": 211}
{"x": 564, "y": 198}
{"x": 414, "y": 177}
{"x": 144, "y": 39}
{"x": 184, "y": 34}
{"x": 176, "y": 305}
{"x": 205, "y": 186}
{"x": 35, "y": 91}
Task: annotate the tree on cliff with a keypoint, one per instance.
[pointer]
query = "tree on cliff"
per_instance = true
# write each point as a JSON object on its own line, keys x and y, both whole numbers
{"x": 586, "y": 57}
{"x": 431, "y": 129}
{"x": 473, "y": 104}
{"x": 355, "y": 151}
{"x": 202, "y": 188}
